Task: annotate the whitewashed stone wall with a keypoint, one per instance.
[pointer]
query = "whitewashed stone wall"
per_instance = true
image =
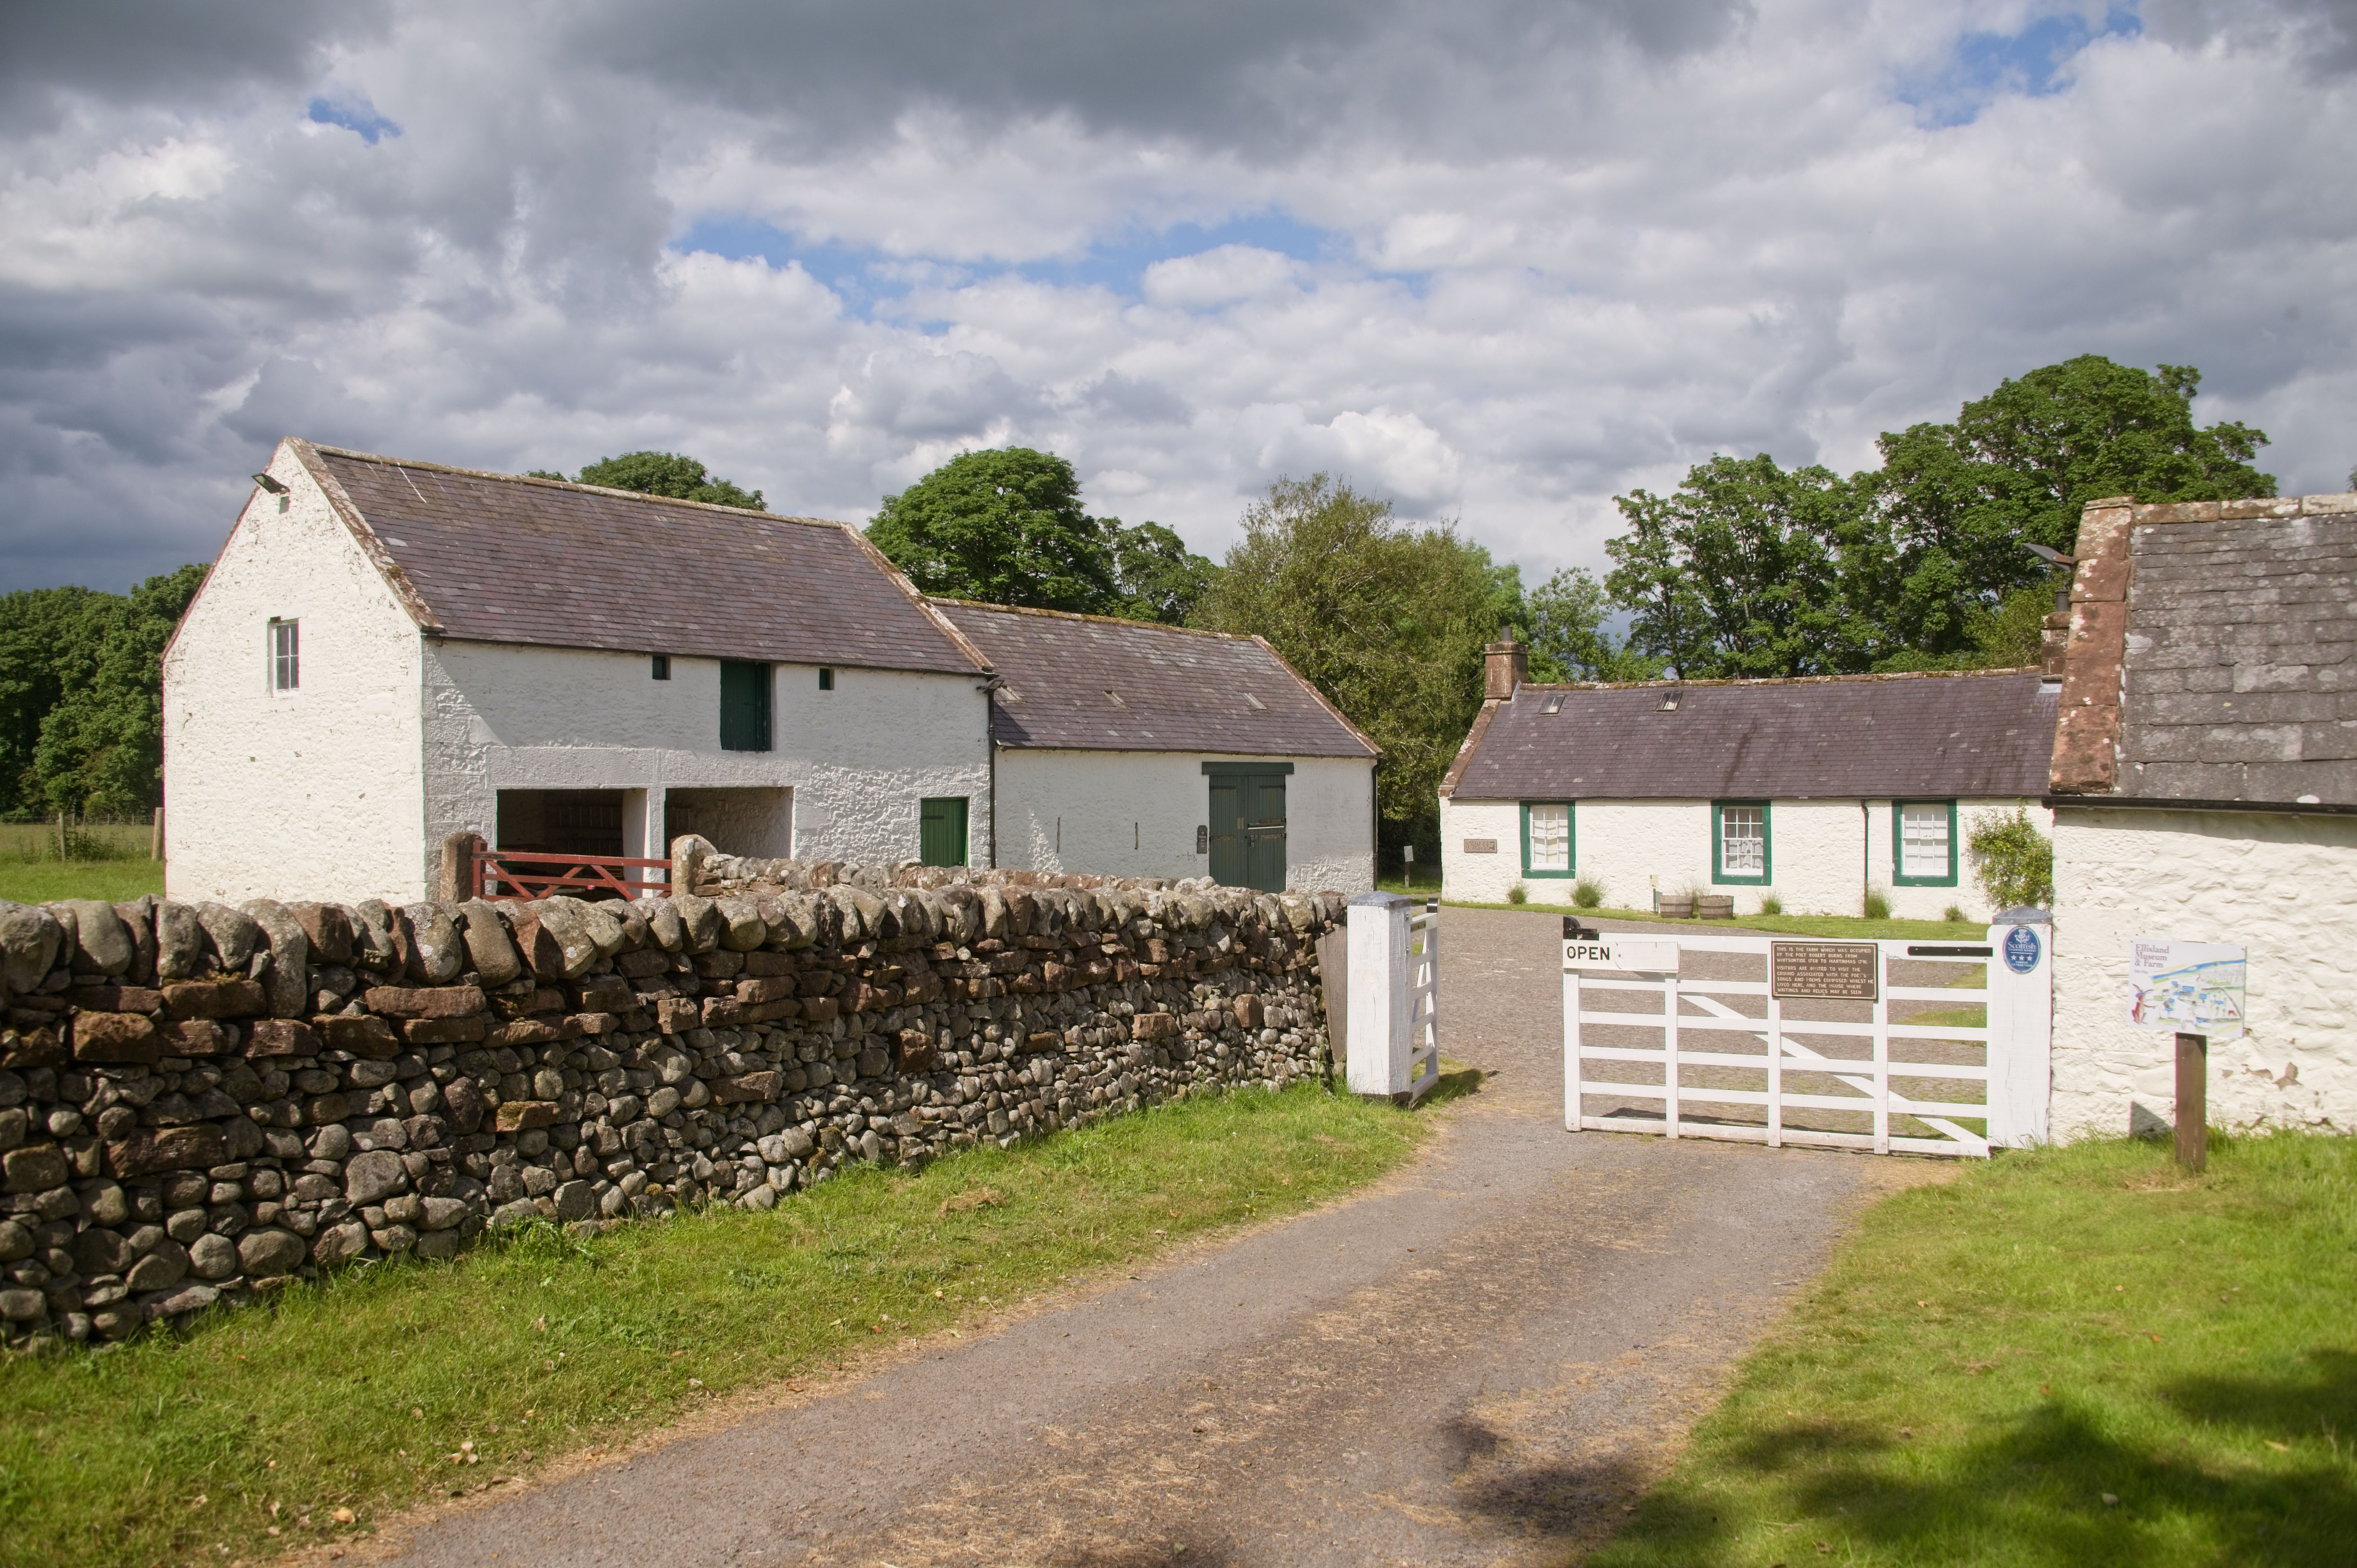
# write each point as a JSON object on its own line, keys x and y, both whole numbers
{"x": 2273, "y": 883}
{"x": 1134, "y": 813}
{"x": 1824, "y": 855}
{"x": 321, "y": 786}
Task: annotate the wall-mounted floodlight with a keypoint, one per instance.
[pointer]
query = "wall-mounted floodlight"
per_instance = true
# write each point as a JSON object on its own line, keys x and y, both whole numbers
{"x": 2050, "y": 556}
{"x": 267, "y": 483}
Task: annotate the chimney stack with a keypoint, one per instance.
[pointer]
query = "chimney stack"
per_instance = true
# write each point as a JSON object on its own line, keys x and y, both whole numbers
{"x": 1509, "y": 667}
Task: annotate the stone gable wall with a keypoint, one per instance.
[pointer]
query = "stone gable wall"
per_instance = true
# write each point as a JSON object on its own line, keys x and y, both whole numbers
{"x": 198, "y": 1102}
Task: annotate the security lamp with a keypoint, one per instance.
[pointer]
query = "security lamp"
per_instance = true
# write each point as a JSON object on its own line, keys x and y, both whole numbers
{"x": 2050, "y": 556}
{"x": 267, "y": 483}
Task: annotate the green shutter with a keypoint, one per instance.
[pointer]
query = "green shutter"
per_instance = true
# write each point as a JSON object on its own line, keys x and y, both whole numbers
{"x": 940, "y": 829}
{"x": 743, "y": 705}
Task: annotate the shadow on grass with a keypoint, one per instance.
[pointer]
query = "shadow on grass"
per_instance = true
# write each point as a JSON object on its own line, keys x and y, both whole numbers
{"x": 2035, "y": 1491}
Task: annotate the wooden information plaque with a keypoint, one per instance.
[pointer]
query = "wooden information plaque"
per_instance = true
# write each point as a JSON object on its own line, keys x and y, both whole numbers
{"x": 1843, "y": 970}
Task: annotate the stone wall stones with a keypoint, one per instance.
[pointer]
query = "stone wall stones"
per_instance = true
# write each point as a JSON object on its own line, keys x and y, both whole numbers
{"x": 198, "y": 1102}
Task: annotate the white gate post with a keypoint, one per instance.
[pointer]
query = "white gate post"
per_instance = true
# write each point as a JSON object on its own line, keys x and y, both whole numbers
{"x": 2021, "y": 1029}
{"x": 1380, "y": 1039}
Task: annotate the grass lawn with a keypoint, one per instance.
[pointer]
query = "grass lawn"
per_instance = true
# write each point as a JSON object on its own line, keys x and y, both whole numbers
{"x": 39, "y": 881}
{"x": 2066, "y": 1357}
{"x": 355, "y": 1394}
{"x": 1845, "y": 926}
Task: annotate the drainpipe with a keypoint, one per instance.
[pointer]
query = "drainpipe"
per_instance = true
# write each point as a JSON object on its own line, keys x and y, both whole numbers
{"x": 990, "y": 738}
{"x": 1865, "y": 852}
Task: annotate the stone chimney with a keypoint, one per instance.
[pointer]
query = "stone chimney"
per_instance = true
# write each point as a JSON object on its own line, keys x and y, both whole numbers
{"x": 2054, "y": 639}
{"x": 1510, "y": 666}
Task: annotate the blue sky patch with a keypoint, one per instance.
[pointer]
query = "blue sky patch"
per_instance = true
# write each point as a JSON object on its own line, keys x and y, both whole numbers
{"x": 863, "y": 277}
{"x": 357, "y": 116}
{"x": 1984, "y": 66}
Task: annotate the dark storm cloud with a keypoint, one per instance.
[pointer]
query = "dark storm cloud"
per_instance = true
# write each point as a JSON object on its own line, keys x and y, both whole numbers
{"x": 174, "y": 56}
{"x": 2323, "y": 31}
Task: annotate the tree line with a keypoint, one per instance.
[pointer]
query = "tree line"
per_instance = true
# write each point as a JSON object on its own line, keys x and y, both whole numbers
{"x": 1748, "y": 569}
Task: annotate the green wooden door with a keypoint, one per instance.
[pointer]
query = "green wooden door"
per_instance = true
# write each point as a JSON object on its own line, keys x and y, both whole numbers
{"x": 743, "y": 705}
{"x": 1248, "y": 831}
{"x": 940, "y": 829}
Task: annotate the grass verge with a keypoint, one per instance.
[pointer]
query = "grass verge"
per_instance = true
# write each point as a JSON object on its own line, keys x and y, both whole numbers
{"x": 39, "y": 881}
{"x": 1845, "y": 926}
{"x": 355, "y": 1393}
{"x": 2072, "y": 1356}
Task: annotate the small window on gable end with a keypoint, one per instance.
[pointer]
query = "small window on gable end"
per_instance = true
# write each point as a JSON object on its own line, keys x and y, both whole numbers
{"x": 285, "y": 655}
{"x": 662, "y": 667}
{"x": 825, "y": 679}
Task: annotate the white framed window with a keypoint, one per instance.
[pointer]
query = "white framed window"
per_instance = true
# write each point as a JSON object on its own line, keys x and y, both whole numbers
{"x": 286, "y": 656}
{"x": 1546, "y": 838}
{"x": 1926, "y": 849}
{"x": 1743, "y": 853}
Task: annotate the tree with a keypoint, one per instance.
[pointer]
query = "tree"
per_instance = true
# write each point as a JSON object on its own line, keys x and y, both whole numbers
{"x": 81, "y": 696}
{"x": 1386, "y": 619}
{"x": 1158, "y": 577}
{"x": 1005, "y": 527}
{"x": 1563, "y": 622}
{"x": 671, "y": 473}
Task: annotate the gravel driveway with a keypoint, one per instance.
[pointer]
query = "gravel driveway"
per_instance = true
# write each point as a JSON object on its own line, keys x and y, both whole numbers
{"x": 1479, "y": 1360}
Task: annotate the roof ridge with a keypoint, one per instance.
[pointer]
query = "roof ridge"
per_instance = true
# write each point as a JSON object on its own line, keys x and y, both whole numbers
{"x": 1080, "y": 615}
{"x": 424, "y": 466}
{"x": 1773, "y": 680}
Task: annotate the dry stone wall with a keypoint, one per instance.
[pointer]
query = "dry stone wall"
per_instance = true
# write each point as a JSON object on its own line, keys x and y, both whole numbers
{"x": 199, "y": 1102}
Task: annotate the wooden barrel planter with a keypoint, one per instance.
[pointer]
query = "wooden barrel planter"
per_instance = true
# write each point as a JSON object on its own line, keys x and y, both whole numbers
{"x": 1715, "y": 906}
{"x": 1673, "y": 906}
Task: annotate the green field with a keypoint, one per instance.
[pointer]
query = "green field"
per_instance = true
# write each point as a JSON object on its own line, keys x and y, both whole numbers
{"x": 2065, "y": 1357}
{"x": 355, "y": 1393}
{"x": 108, "y": 860}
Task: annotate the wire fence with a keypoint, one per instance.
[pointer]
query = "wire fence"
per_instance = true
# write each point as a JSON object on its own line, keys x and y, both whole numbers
{"x": 71, "y": 838}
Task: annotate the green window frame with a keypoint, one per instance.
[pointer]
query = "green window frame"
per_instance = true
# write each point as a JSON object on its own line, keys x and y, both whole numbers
{"x": 1899, "y": 845}
{"x": 942, "y": 830}
{"x": 1570, "y": 839}
{"x": 743, "y": 705}
{"x": 1719, "y": 826}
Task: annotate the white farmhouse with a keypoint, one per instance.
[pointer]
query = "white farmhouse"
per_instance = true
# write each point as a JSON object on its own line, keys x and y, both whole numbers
{"x": 1143, "y": 750}
{"x": 387, "y": 652}
{"x": 1812, "y": 791}
{"x": 2205, "y": 790}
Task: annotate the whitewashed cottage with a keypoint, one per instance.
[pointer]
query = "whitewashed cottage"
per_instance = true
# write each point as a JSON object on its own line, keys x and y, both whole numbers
{"x": 2204, "y": 789}
{"x": 388, "y": 652}
{"x": 1813, "y": 792}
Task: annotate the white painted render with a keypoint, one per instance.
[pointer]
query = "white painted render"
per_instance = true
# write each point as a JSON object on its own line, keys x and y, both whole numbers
{"x": 320, "y": 789}
{"x": 1823, "y": 854}
{"x": 2275, "y": 884}
{"x": 1134, "y": 813}
{"x": 856, "y": 759}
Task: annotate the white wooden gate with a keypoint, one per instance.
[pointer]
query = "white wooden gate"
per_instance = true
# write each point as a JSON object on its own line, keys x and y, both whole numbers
{"x": 1423, "y": 1001}
{"x": 1821, "y": 1047}
{"x": 1393, "y": 1022}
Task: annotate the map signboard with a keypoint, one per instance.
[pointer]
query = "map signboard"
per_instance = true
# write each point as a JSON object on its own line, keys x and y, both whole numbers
{"x": 2195, "y": 988}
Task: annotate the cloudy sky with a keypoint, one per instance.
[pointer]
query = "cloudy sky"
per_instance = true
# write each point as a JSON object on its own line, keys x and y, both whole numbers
{"x": 1498, "y": 259}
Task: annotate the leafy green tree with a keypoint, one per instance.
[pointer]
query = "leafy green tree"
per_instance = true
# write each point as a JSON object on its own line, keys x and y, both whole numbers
{"x": 1564, "y": 623}
{"x": 1386, "y": 619}
{"x": 667, "y": 474}
{"x": 1158, "y": 576}
{"x": 1005, "y": 527}
{"x": 81, "y": 696}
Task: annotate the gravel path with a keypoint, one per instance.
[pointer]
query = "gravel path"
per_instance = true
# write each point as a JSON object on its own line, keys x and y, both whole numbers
{"x": 1481, "y": 1360}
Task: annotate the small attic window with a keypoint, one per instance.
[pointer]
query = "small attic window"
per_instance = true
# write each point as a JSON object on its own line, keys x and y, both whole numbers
{"x": 1554, "y": 703}
{"x": 1255, "y": 701}
{"x": 825, "y": 679}
{"x": 1670, "y": 700}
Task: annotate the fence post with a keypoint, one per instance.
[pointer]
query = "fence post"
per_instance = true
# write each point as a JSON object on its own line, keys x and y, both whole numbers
{"x": 156, "y": 837}
{"x": 461, "y": 878}
{"x": 1378, "y": 1030}
{"x": 2021, "y": 1028}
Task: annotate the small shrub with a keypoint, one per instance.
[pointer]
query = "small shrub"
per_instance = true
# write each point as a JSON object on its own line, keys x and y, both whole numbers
{"x": 1518, "y": 894}
{"x": 2012, "y": 861}
{"x": 1588, "y": 892}
{"x": 1957, "y": 913}
{"x": 1771, "y": 904}
{"x": 1877, "y": 904}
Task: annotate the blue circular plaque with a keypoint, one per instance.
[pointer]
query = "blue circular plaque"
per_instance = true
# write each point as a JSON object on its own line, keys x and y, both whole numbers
{"x": 2021, "y": 949}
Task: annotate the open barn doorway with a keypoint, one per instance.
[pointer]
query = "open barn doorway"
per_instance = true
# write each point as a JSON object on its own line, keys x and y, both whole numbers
{"x": 754, "y": 822}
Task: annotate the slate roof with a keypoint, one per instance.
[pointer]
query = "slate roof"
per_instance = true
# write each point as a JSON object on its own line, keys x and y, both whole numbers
{"x": 496, "y": 558}
{"x": 1092, "y": 683}
{"x": 1863, "y": 736}
{"x": 2214, "y": 655}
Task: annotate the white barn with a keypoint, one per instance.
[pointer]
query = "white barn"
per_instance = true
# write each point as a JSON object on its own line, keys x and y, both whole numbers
{"x": 388, "y": 652}
{"x": 2204, "y": 789}
{"x": 1811, "y": 791}
{"x": 1144, "y": 750}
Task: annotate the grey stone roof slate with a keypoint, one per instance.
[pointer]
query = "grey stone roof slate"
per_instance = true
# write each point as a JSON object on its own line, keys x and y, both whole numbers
{"x": 496, "y": 558}
{"x": 2239, "y": 676}
{"x": 1093, "y": 684}
{"x": 1985, "y": 734}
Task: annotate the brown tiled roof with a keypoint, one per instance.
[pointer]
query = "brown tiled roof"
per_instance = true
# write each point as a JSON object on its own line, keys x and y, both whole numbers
{"x": 1092, "y": 683}
{"x": 1845, "y": 737}
{"x": 2224, "y": 635}
{"x": 494, "y": 558}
